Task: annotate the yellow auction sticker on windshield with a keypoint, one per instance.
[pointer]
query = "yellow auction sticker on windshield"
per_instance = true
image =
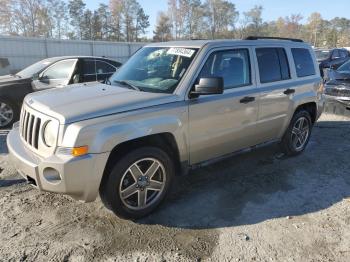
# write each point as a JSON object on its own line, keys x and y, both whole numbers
{"x": 181, "y": 51}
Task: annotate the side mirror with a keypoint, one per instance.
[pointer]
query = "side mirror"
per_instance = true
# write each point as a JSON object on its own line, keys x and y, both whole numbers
{"x": 208, "y": 86}
{"x": 43, "y": 78}
{"x": 35, "y": 76}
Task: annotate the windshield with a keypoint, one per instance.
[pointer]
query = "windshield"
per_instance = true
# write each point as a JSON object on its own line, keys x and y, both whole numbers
{"x": 345, "y": 67}
{"x": 322, "y": 54}
{"x": 35, "y": 68}
{"x": 155, "y": 69}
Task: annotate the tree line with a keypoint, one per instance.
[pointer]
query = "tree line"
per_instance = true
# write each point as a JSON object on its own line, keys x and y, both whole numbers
{"x": 216, "y": 19}
{"x": 126, "y": 20}
{"x": 121, "y": 20}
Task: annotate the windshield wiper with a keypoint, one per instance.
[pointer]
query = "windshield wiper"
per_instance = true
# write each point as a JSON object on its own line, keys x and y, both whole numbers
{"x": 126, "y": 83}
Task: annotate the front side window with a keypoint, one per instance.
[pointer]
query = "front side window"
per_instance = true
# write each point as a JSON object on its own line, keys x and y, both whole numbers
{"x": 232, "y": 65}
{"x": 273, "y": 64}
{"x": 60, "y": 70}
{"x": 155, "y": 69}
{"x": 304, "y": 64}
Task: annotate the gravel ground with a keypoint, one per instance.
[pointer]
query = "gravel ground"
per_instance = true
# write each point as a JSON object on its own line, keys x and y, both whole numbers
{"x": 258, "y": 206}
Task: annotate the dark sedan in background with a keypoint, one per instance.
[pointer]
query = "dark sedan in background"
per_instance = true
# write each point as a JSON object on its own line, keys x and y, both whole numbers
{"x": 331, "y": 58}
{"x": 338, "y": 86}
{"x": 49, "y": 73}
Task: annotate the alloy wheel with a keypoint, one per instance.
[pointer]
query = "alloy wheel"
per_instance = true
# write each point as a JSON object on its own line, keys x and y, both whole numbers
{"x": 6, "y": 114}
{"x": 142, "y": 184}
{"x": 300, "y": 133}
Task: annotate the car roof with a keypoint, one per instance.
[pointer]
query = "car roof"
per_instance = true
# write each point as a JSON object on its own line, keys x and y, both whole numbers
{"x": 224, "y": 42}
{"x": 57, "y": 58}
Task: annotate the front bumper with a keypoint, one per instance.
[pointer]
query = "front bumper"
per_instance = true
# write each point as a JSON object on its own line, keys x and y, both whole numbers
{"x": 78, "y": 177}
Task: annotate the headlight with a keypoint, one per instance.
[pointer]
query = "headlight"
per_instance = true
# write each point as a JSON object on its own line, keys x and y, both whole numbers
{"x": 50, "y": 133}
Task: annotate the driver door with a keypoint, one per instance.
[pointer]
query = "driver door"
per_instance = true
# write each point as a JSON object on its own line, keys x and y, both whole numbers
{"x": 224, "y": 123}
{"x": 57, "y": 75}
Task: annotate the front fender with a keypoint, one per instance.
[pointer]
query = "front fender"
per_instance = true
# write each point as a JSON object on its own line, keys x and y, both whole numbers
{"x": 104, "y": 134}
{"x": 111, "y": 136}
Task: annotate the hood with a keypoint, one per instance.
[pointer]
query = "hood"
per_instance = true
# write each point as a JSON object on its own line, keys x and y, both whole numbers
{"x": 85, "y": 101}
{"x": 342, "y": 75}
{"x": 337, "y": 77}
{"x": 11, "y": 79}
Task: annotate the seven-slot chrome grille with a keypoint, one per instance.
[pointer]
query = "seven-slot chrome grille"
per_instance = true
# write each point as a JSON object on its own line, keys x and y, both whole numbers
{"x": 30, "y": 126}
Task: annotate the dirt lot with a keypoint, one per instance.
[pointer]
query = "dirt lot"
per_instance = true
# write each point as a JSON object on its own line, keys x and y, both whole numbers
{"x": 258, "y": 206}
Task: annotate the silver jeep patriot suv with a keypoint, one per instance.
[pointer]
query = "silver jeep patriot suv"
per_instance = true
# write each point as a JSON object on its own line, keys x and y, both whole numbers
{"x": 172, "y": 107}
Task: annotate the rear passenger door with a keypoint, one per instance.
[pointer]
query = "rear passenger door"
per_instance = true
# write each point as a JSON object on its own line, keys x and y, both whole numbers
{"x": 220, "y": 124}
{"x": 276, "y": 89}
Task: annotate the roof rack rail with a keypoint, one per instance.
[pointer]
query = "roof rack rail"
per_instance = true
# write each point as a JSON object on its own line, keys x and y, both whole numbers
{"x": 273, "y": 38}
{"x": 195, "y": 39}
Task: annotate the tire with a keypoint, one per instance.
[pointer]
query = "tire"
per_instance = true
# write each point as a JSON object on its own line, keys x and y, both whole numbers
{"x": 127, "y": 189}
{"x": 9, "y": 113}
{"x": 295, "y": 140}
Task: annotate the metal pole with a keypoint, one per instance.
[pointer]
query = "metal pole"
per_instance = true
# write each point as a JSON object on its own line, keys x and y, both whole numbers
{"x": 92, "y": 48}
{"x": 46, "y": 49}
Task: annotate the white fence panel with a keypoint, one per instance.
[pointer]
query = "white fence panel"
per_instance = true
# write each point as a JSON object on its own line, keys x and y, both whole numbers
{"x": 22, "y": 51}
{"x": 60, "y": 48}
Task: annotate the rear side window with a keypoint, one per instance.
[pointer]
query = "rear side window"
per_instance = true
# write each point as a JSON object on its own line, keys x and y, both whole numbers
{"x": 303, "y": 61}
{"x": 273, "y": 64}
{"x": 104, "y": 68}
{"x": 89, "y": 67}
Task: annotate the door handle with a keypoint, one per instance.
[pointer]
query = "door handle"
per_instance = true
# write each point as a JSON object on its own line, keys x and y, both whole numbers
{"x": 289, "y": 91}
{"x": 247, "y": 99}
